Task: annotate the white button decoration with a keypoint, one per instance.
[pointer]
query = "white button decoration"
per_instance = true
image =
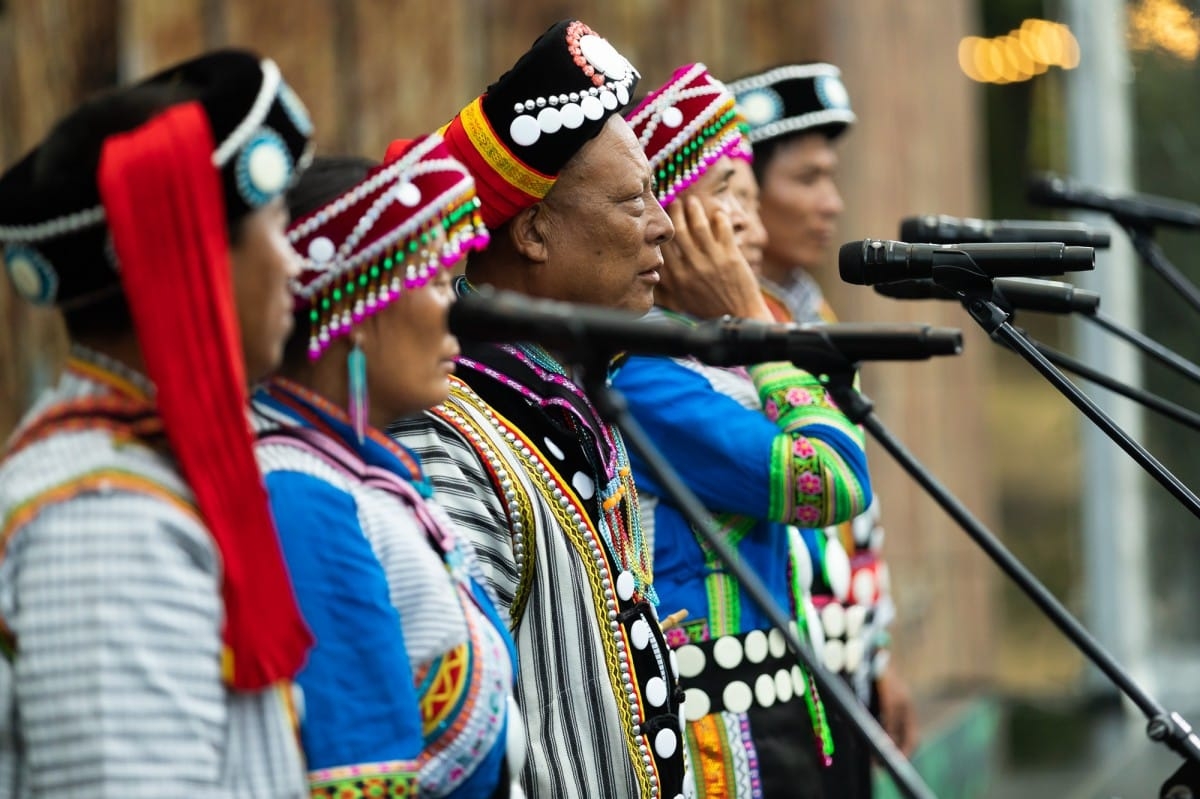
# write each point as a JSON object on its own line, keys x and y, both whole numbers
{"x": 656, "y": 691}
{"x": 572, "y": 115}
{"x": 321, "y": 249}
{"x": 674, "y": 661}
{"x": 584, "y": 485}
{"x": 24, "y": 275}
{"x": 834, "y": 655}
{"x": 816, "y": 635}
{"x": 854, "y": 654}
{"x": 737, "y": 697}
{"x": 756, "y": 646}
{"x": 639, "y": 634}
{"x": 696, "y": 704}
{"x": 691, "y": 660}
{"x": 408, "y": 194}
{"x": 298, "y": 701}
{"x": 798, "y": 681}
{"x": 268, "y": 167}
{"x": 608, "y": 100}
{"x": 832, "y": 92}
{"x": 525, "y": 130}
{"x": 760, "y": 107}
{"x": 727, "y": 652}
{"x": 804, "y": 568}
{"x": 833, "y": 619}
{"x": 515, "y": 743}
{"x": 837, "y": 569}
{"x": 622, "y": 94}
{"x": 553, "y": 448}
{"x": 876, "y": 542}
{"x": 856, "y": 617}
{"x": 666, "y": 742}
{"x": 549, "y": 120}
{"x": 603, "y": 56}
{"x": 863, "y": 587}
{"x": 777, "y": 643}
{"x": 625, "y": 586}
{"x": 764, "y": 690}
{"x": 672, "y": 117}
{"x": 593, "y": 109}
{"x": 784, "y": 689}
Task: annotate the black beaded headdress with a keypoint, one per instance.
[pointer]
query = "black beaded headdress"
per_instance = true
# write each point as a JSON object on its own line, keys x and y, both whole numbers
{"x": 56, "y": 245}
{"x": 518, "y": 135}
{"x": 793, "y": 99}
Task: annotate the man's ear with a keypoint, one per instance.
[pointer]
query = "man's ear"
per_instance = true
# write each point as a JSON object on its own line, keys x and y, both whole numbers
{"x": 527, "y": 232}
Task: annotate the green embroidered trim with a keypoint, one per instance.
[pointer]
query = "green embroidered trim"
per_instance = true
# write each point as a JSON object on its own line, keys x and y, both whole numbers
{"x": 393, "y": 780}
{"x": 810, "y": 484}
{"x": 724, "y": 596}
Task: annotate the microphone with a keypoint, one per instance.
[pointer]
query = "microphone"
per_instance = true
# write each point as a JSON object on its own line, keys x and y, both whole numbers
{"x": 942, "y": 229}
{"x": 1017, "y": 293}
{"x": 872, "y": 261}
{"x": 1138, "y": 210}
{"x": 508, "y": 316}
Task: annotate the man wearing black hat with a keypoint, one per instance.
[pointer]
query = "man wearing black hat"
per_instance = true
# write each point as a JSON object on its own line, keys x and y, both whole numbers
{"x": 521, "y": 459}
{"x": 796, "y": 114}
{"x": 148, "y": 621}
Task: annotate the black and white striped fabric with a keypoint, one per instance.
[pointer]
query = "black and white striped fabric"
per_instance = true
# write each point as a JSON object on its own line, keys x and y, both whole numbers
{"x": 597, "y": 685}
{"x": 114, "y": 599}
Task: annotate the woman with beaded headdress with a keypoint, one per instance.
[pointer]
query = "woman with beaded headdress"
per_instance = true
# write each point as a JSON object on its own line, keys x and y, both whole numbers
{"x": 762, "y": 447}
{"x": 149, "y": 624}
{"x": 408, "y": 688}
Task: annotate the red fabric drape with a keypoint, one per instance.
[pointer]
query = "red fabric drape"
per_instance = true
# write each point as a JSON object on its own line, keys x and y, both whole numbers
{"x": 163, "y": 198}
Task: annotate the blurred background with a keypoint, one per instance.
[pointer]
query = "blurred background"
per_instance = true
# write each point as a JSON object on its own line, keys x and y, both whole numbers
{"x": 959, "y": 101}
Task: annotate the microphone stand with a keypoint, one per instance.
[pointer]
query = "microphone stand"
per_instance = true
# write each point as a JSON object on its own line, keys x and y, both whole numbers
{"x": 1169, "y": 728}
{"x": 1164, "y": 727}
{"x": 1170, "y": 410}
{"x": 1142, "y": 237}
{"x": 1147, "y": 345}
{"x": 613, "y": 409}
{"x": 977, "y": 293}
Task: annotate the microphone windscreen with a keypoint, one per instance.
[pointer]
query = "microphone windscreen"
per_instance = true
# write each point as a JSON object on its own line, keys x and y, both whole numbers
{"x": 852, "y": 262}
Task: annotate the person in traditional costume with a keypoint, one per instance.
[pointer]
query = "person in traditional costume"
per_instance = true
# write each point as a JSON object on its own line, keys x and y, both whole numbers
{"x": 532, "y": 474}
{"x": 762, "y": 447}
{"x": 151, "y": 630}
{"x": 408, "y": 691}
{"x": 796, "y": 115}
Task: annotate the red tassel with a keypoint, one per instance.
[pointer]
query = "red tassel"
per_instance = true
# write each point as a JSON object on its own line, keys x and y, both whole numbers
{"x": 163, "y": 199}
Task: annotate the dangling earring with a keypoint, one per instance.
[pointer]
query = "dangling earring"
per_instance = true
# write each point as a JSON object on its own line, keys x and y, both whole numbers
{"x": 356, "y": 363}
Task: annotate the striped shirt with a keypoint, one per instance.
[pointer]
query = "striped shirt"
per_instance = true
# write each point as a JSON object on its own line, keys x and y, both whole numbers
{"x": 596, "y": 684}
{"x": 110, "y": 586}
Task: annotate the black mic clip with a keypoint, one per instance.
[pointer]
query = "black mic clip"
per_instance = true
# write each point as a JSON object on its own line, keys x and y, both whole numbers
{"x": 1183, "y": 784}
{"x": 975, "y": 289}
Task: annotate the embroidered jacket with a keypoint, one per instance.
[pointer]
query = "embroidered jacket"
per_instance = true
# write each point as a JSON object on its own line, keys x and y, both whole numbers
{"x": 767, "y": 453}
{"x": 543, "y": 489}
{"x": 855, "y": 609}
{"x": 110, "y": 593}
{"x": 408, "y": 689}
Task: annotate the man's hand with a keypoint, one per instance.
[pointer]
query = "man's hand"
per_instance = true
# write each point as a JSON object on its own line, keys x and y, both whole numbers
{"x": 704, "y": 273}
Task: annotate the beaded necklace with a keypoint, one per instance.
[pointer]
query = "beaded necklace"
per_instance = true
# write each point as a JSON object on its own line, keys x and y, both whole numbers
{"x": 619, "y": 519}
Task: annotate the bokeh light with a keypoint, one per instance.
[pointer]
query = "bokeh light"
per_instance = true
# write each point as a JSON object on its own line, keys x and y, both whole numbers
{"x": 1020, "y": 54}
